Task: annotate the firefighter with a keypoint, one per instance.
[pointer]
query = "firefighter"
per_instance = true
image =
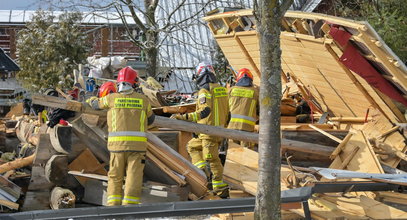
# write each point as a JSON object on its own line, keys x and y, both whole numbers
{"x": 243, "y": 104}
{"x": 129, "y": 114}
{"x": 211, "y": 109}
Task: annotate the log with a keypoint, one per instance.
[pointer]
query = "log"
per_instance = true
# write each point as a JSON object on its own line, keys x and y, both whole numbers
{"x": 62, "y": 198}
{"x": 17, "y": 163}
{"x": 56, "y": 169}
{"x": 61, "y": 138}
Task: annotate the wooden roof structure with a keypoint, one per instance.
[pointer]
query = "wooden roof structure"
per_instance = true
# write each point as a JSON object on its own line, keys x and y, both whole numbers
{"x": 341, "y": 65}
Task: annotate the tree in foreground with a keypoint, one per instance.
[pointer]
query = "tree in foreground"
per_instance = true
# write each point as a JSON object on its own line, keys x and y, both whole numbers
{"x": 49, "y": 51}
{"x": 268, "y": 14}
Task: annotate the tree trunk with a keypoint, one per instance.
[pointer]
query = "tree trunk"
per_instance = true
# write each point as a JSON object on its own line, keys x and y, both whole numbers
{"x": 268, "y": 197}
{"x": 151, "y": 48}
{"x": 151, "y": 57}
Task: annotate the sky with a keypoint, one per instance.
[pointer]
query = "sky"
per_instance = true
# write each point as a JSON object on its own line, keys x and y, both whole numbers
{"x": 20, "y": 4}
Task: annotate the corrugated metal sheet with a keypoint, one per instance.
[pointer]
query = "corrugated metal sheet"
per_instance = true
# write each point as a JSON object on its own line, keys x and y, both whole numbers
{"x": 184, "y": 49}
{"x": 24, "y": 16}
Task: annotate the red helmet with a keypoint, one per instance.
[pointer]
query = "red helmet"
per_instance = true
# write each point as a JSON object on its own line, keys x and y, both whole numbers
{"x": 244, "y": 72}
{"x": 127, "y": 74}
{"x": 106, "y": 89}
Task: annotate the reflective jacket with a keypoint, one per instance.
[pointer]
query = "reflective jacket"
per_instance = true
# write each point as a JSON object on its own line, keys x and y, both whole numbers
{"x": 243, "y": 102}
{"x": 217, "y": 100}
{"x": 127, "y": 121}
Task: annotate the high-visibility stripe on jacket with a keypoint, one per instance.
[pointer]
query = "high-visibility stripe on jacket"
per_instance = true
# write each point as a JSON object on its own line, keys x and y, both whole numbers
{"x": 217, "y": 100}
{"x": 243, "y": 102}
{"x": 126, "y": 119}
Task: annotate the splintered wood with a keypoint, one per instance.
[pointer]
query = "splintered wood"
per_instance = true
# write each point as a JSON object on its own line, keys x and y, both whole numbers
{"x": 357, "y": 155}
{"x": 385, "y": 132}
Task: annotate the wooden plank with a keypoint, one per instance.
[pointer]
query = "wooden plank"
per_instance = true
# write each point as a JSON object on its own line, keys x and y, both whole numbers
{"x": 88, "y": 175}
{"x": 86, "y": 162}
{"x": 166, "y": 170}
{"x": 378, "y": 210}
{"x": 179, "y": 164}
{"x": 299, "y": 27}
{"x": 9, "y": 204}
{"x": 340, "y": 147}
{"x": 325, "y": 133}
{"x": 183, "y": 139}
{"x": 393, "y": 197}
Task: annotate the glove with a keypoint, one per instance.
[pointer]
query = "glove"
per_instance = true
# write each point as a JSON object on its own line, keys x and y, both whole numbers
{"x": 204, "y": 113}
{"x": 178, "y": 116}
{"x": 91, "y": 99}
{"x": 59, "y": 114}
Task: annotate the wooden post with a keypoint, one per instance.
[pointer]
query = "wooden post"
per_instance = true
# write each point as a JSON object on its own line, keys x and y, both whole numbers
{"x": 105, "y": 42}
{"x": 13, "y": 44}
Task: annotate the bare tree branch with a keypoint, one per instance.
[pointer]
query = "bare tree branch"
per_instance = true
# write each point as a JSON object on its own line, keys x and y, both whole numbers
{"x": 135, "y": 16}
{"x": 126, "y": 26}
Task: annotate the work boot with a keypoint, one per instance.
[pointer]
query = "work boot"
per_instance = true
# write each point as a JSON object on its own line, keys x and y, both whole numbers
{"x": 208, "y": 178}
{"x": 222, "y": 192}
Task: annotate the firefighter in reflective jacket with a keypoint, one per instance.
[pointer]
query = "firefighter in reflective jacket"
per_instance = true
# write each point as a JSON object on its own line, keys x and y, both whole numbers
{"x": 243, "y": 104}
{"x": 211, "y": 109}
{"x": 129, "y": 114}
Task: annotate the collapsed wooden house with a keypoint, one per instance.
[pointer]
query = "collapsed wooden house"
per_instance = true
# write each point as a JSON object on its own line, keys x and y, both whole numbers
{"x": 349, "y": 77}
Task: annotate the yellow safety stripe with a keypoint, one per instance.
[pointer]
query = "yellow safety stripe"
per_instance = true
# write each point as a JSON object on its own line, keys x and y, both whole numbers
{"x": 114, "y": 120}
{"x": 114, "y": 200}
{"x": 195, "y": 117}
{"x": 205, "y": 95}
{"x": 245, "y": 93}
{"x": 127, "y": 138}
{"x": 200, "y": 164}
{"x": 132, "y": 197}
{"x": 218, "y": 183}
{"x": 252, "y": 106}
{"x": 241, "y": 120}
{"x": 216, "y": 115}
{"x": 142, "y": 119}
{"x": 130, "y": 202}
{"x": 104, "y": 101}
{"x": 115, "y": 196}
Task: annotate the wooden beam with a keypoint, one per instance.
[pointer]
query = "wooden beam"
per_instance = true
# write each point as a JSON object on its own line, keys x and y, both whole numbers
{"x": 346, "y": 161}
{"x": 179, "y": 125}
{"x": 339, "y": 148}
{"x": 166, "y": 170}
{"x": 374, "y": 48}
{"x": 325, "y": 133}
{"x": 248, "y": 57}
